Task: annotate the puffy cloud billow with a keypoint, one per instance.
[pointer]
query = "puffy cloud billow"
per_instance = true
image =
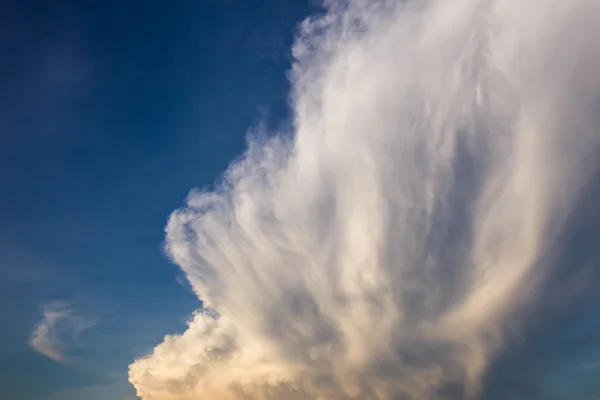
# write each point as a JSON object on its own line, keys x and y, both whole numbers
{"x": 414, "y": 223}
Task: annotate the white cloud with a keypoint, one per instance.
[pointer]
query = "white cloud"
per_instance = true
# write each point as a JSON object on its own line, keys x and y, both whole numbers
{"x": 386, "y": 249}
{"x": 59, "y": 327}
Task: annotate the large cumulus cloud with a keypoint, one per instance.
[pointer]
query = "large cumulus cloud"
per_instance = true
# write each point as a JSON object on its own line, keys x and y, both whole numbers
{"x": 398, "y": 240}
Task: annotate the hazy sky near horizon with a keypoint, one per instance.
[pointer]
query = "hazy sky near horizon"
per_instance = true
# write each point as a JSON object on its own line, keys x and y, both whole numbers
{"x": 110, "y": 113}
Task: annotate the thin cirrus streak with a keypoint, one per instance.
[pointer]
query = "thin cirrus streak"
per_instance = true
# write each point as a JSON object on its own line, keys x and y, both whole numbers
{"x": 410, "y": 227}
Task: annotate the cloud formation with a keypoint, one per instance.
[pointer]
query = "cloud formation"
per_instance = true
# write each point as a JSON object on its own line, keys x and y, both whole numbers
{"x": 409, "y": 227}
{"x": 57, "y": 329}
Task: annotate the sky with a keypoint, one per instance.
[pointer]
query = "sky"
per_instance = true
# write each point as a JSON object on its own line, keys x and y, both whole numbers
{"x": 110, "y": 113}
{"x": 387, "y": 200}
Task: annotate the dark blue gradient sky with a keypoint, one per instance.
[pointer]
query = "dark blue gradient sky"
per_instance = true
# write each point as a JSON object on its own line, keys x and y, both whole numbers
{"x": 110, "y": 112}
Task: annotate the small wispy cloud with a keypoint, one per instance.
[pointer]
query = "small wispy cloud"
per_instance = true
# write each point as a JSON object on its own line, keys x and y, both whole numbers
{"x": 59, "y": 327}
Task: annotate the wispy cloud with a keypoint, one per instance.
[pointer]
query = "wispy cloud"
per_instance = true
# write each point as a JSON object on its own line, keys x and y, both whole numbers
{"x": 57, "y": 330}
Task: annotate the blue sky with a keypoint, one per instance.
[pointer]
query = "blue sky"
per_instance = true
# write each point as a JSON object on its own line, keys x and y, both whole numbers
{"x": 110, "y": 113}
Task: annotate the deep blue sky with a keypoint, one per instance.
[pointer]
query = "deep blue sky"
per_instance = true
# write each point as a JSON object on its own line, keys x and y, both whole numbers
{"x": 110, "y": 112}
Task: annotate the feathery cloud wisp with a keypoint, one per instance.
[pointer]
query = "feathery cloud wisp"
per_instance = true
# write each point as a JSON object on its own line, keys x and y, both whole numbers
{"x": 59, "y": 326}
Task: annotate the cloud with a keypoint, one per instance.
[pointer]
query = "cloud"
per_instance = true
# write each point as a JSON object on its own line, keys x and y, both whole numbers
{"x": 413, "y": 224}
{"x": 59, "y": 327}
